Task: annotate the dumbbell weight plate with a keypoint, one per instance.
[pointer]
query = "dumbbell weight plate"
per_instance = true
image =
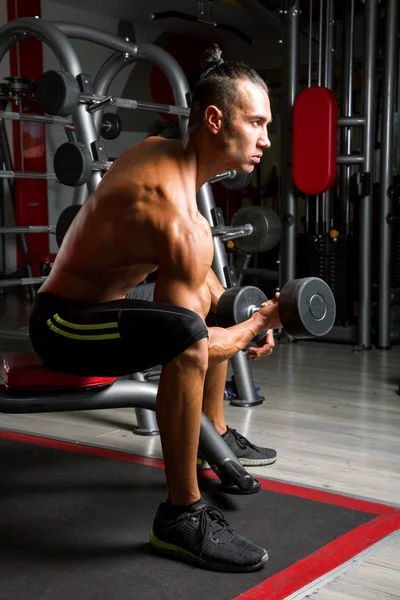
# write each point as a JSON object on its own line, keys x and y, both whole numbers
{"x": 73, "y": 164}
{"x": 111, "y": 126}
{"x": 307, "y": 308}
{"x": 64, "y": 222}
{"x": 235, "y": 306}
{"x": 239, "y": 182}
{"x": 58, "y": 93}
{"x": 267, "y": 228}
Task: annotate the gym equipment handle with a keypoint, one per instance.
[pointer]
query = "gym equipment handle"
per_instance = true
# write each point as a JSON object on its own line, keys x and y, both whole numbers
{"x": 99, "y": 102}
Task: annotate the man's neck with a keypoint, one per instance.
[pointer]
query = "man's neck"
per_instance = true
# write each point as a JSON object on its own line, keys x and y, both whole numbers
{"x": 199, "y": 156}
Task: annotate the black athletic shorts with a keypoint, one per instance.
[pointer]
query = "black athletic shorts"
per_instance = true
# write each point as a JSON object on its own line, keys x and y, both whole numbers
{"x": 112, "y": 338}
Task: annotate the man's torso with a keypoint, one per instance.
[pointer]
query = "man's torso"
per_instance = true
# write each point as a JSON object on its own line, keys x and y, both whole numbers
{"x": 119, "y": 235}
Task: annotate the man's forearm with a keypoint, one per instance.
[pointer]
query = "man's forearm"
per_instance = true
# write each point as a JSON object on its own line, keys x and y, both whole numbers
{"x": 225, "y": 343}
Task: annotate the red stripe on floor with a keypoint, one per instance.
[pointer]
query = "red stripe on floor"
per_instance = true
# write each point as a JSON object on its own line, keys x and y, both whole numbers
{"x": 305, "y": 571}
{"x": 323, "y": 561}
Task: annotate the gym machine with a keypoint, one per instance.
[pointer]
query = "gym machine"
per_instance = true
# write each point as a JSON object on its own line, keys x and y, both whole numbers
{"x": 341, "y": 224}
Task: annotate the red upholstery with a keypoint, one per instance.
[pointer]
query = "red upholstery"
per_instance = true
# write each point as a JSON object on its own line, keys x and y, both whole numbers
{"x": 23, "y": 372}
{"x": 314, "y": 145}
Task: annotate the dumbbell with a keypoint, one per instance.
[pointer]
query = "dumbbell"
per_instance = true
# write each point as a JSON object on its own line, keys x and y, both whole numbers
{"x": 306, "y": 307}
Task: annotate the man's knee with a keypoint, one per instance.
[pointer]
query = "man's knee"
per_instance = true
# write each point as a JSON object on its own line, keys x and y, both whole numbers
{"x": 192, "y": 337}
{"x": 195, "y": 356}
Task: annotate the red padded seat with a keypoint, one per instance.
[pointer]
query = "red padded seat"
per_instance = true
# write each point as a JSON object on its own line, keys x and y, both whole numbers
{"x": 24, "y": 372}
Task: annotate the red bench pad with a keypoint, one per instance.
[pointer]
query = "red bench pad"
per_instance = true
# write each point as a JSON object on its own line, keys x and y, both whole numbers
{"x": 24, "y": 372}
{"x": 314, "y": 144}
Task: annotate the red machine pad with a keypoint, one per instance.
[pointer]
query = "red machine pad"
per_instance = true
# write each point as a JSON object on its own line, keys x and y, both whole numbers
{"x": 23, "y": 372}
{"x": 314, "y": 145}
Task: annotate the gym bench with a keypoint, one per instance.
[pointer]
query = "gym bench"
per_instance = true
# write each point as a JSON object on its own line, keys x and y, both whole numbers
{"x": 29, "y": 387}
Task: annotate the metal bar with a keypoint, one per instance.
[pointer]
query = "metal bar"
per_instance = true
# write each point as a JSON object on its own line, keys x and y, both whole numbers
{"x": 352, "y": 159}
{"x": 99, "y": 102}
{"x": 47, "y": 119}
{"x": 229, "y": 174}
{"x": 15, "y": 341}
{"x": 397, "y": 143}
{"x": 350, "y": 121}
{"x": 346, "y": 118}
{"x": 365, "y": 214}
{"x": 8, "y": 164}
{"x": 386, "y": 178}
{"x": 105, "y": 76}
{"x": 317, "y": 211}
{"x": 289, "y": 91}
{"x": 14, "y": 116}
{"x": 228, "y": 232}
{"x": 28, "y": 229}
{"x": 97, "y": 165}
{"x": 327, "y": 197}
{"x": 26, "y": 175}
{"x": 19, "y": 282}
{"x": 320, "y": 41}
{"x": 146, "y": 419}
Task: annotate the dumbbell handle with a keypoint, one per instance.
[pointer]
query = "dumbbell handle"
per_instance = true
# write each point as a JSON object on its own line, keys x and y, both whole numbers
{"x": 252, "y": 310}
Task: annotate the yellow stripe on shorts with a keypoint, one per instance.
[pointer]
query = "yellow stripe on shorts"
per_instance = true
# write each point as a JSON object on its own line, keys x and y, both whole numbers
{"x": 113, "y": 325}
{"x": 77, "y": 336}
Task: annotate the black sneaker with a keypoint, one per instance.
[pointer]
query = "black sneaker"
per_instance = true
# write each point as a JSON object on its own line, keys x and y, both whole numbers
{"x": 203, "y": 537}
{"x": 247, "y": 453}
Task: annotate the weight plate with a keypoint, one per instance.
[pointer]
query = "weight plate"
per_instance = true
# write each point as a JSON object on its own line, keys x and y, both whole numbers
{"x": 111, "y": 126}
{"x": 234, "y": 305}
{"x": 267, "y": 228}
{"x": 58, "y": 93}
{"x": 239, "y": 182}
{"x": 73, "y": 164}
{"x": 64, "y": 222}
{"x": 307, "y": 308}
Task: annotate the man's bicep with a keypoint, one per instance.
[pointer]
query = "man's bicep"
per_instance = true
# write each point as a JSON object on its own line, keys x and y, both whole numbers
{"x": 216, "y": 289}
{"x": 174, "y": 290}
{"x": 181, "y": 278}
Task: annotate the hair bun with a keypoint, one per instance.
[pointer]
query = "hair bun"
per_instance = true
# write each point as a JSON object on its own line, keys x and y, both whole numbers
{"x": 212, "y": 56}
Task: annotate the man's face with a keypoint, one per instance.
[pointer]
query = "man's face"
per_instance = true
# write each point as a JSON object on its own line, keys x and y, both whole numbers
{"x": 245, "y": 138}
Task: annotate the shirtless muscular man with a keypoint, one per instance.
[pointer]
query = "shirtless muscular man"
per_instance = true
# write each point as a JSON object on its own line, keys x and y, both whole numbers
{"x": 143, "y": 216}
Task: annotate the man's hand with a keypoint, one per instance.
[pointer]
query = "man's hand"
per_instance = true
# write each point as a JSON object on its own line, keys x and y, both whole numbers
{"x": 268, "y": 344}
{"x": 270, "y": 312}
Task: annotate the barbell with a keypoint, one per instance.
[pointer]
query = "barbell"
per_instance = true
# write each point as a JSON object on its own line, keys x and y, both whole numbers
{"x": 110, "y": 127}
{"x": 232, "y": 180}
{"x": 59, "y": 93}
{"x": 307, "y": 307}
{"x": 266, "y": 225}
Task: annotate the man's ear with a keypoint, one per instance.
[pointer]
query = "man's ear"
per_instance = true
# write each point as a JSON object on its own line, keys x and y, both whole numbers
{"x": 213, "y": 117}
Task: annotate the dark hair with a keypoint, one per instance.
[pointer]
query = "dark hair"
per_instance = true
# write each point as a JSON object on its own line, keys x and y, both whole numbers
{"x": 218, "y": 85}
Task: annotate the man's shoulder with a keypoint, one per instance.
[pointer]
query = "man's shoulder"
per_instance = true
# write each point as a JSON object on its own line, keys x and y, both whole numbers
{"x": 151, "y": 150}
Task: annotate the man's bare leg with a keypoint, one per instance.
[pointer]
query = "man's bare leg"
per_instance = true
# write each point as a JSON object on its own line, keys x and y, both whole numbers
{"x": 213, "y": 407}
{"x": 180, "y": 526}
{"x": 179, "y": 404}
{"x": 213, "y": 399}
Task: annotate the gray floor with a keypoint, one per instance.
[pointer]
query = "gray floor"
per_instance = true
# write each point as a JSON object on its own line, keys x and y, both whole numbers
{"x": 333, "y": 415}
